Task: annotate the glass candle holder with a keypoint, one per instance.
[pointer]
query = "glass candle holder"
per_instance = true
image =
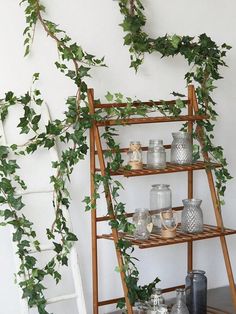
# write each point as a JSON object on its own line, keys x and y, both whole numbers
{"x": 135, "y": 155}
{"x": 160, "y": 200}
{"x": 168, "y": 224}
{"x": 142, "y": 221}
{"x": 156, "y": 155}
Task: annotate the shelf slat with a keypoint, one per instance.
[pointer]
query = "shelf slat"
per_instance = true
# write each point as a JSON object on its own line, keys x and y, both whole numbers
{"x": 151, "y": 120}
{"x": 138, "y": 104}
{"x": 156, "y": 240}
{"x": 170, "y": 168}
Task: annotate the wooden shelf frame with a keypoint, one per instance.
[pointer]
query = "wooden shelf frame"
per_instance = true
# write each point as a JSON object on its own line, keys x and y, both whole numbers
{"x": 96, "y": 149}
{"x": 156, "y": 240}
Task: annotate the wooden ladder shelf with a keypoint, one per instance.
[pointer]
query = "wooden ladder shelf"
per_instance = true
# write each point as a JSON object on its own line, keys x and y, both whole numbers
{"x": 155, "y": 240}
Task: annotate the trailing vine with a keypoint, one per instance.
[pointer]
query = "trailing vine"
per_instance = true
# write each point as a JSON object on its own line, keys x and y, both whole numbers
{"x": 205, "y": 58}
{"x": 75, "y": 63}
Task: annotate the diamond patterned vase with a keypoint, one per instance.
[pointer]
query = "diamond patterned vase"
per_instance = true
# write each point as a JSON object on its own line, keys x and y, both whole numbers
{"x": 181, "y": 148}
{"x": 192, "y": 217}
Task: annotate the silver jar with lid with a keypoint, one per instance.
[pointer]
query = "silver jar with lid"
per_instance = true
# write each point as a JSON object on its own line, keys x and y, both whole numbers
{"x": 156, "y": 155}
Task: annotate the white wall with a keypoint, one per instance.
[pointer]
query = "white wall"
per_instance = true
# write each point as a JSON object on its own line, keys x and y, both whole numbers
{"x": 94, "y": 24}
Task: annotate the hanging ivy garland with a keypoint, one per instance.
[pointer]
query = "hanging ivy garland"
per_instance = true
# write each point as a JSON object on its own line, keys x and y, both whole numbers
{"x": 205, "y": 58}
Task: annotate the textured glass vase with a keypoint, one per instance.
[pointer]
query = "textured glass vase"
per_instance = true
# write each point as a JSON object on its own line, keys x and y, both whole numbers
{"x": 192, "y": 217}
{"x": 196, "y": 292}
{"x": 181, "y": 148}
{"x": 180, "y": 307}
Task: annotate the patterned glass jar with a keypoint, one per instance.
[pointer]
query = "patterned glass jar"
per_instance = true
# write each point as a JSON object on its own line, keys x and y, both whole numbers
{"x": 181, "y": 148}
{"x": 192, "y": 216}
{"x": 156, "y": 155}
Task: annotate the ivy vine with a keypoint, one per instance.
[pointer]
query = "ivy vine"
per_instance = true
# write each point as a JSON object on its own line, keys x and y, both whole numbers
{"x": 205, "y": 58}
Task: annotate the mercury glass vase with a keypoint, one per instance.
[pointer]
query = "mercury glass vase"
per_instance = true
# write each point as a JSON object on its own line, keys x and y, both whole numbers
{"x": 181, "y": 148}
{"x": 192, "y": 216}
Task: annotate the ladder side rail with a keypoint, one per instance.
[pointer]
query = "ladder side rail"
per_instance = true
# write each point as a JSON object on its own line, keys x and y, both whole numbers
{"x": 190, "y": 179}
{"x": 24, "y": 309}
{"x": 76, "y": 274}
{"x": 110, "y": 209}
{"x": 216, "y": 205}
{"x": 93, "y": 203}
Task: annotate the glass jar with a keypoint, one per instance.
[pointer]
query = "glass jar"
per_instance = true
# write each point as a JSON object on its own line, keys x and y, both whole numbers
{"x": 196, "y": 292}
{"x": 181, "y": 148}
{"x": 180, "y": 307}
{"x": 135, "y": 155}
{"x": 160, "y": 200}
{"x": 142, "y": 221}
{"x": 192, "y": 216}
{"x": 156, "y": 155}
{"x": 168, "y": 224}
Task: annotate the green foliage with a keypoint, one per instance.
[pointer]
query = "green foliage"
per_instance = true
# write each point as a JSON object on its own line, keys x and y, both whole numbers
{"x": 205, "y": 58}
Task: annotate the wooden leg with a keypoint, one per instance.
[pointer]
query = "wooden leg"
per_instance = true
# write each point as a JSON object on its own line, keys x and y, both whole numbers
{"x": 219, "y": 221}
{"x": 216, "y": 205}
{"x": 190, "y": 256}
{"x": 111, "y": 214}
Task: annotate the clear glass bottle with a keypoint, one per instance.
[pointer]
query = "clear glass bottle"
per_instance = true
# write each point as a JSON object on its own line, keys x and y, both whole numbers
{"x": 196, "y": 292}
{"x": 180, "y": 307}
{"x": 181, "y": 148}
{"x": 192, "y": 216}
{"x": 162, "y": 309}
{"x": 160, "y": 200}
{"x": 135, "y": 155}
{"x": 142, "y": 221}
{"x": 156, "y": 155}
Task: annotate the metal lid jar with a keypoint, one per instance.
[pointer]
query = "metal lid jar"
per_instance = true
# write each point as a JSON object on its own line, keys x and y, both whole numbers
{"x": 181, "y": 148}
